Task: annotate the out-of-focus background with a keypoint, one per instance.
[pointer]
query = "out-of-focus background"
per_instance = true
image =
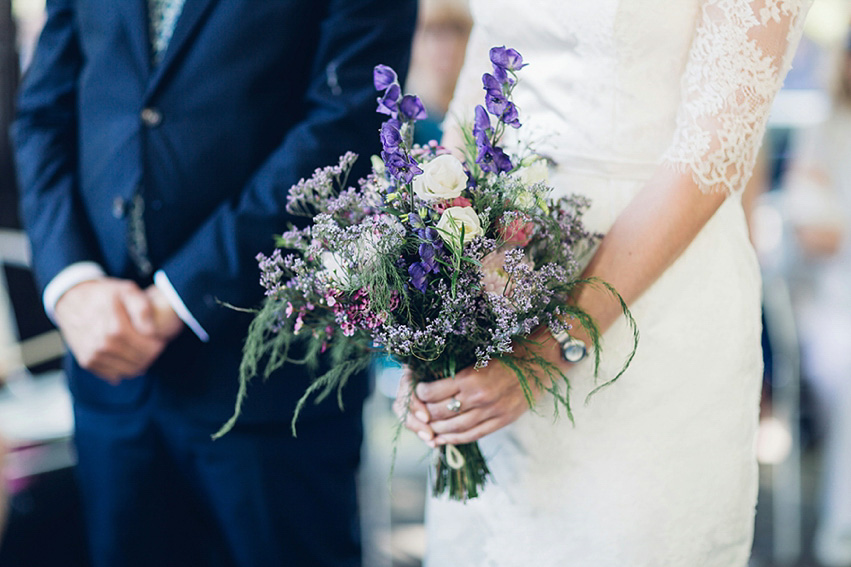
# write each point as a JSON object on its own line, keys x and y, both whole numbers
{"x": 799, "y": 205}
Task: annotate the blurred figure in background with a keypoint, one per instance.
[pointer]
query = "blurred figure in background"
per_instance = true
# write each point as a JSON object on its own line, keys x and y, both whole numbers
{"x": 818, "y": 205}
{"x": 4, "y": 499}
{"x": 436, "y": 58}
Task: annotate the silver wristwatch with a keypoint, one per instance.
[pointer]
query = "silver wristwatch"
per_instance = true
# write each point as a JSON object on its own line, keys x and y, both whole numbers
{"x": 572, "y": 349}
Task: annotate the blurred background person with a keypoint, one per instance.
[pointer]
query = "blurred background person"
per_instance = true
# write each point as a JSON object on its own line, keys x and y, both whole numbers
{"x": 4, "y": 499}
{"x": 436, "y": 58}
{"x": 817, "y": 203}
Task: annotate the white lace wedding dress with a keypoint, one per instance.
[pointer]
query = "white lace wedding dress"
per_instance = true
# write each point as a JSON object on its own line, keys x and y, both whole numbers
{"x": 659, "y": 470}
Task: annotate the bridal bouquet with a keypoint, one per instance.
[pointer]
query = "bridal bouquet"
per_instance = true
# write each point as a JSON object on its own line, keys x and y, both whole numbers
{"x": 438, "y": 262}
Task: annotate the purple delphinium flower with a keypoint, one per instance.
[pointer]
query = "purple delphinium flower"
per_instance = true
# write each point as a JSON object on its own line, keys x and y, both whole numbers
{"x": 481, "y": 125}
{"x": 418, "y": 273}
{"x": 390, "y": 136}
{"x": 428, "y": 256}
{"x": 388, "y": 103}
{"x": 383, "y": 76}
{"x": 493, "y": 159}
{"x": 506, "y": 58}
{"x": 412, "y": 108}
{"x": 401, "y": 166}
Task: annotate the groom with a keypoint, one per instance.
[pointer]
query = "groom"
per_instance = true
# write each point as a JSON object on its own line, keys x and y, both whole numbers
{"x": 156, "y": 141}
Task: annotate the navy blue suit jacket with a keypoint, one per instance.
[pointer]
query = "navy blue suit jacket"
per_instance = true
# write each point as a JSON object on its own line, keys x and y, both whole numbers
{"x": 250, "y": 96}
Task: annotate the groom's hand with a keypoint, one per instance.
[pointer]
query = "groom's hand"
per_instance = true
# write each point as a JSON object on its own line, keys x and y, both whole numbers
{"x": 108, "y": 324}
{"x": 167, "y": 324}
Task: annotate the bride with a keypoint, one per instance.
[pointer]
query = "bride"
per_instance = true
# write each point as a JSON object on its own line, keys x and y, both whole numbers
{"x": 654, "y": 109}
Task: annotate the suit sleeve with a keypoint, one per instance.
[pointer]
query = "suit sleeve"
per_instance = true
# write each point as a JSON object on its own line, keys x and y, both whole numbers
{"x": 45, "y": 140}
{"x": 217, "y": 264}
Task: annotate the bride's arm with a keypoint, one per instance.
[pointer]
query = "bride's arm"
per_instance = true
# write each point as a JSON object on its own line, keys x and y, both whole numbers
{"x": 644, "y": 241}
{"x": 720, "y": 125}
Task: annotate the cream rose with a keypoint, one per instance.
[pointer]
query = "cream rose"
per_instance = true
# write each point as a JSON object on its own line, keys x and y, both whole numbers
{"x": 453, "y": 219}
{"x": 442, "y": 178}
{"x": 535, "y": 172}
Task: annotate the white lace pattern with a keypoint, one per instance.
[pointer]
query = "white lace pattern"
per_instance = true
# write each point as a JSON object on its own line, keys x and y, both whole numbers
{"x": 740, "y": 54}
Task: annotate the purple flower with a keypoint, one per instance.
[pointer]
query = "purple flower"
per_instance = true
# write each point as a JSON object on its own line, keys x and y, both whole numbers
{"x": 491, "y": 84}
{"x": 416, "y": 220}
{"x": 496, "y": 103}
{"x": 390, "y": 137}
{"x": 510, "y": 116}
{"x": 411, "y": 107}
{"x": 418, "y": 274}
{"x": 481, "y": 125}
{"x": 493, "y": 159}
{"x": 400, "y": 166}
{"x": 428, "y": 257}
{"x": 507, "y": 59}
{"x": 432, "y": 235}
{"x": 383, "y": 76}
{"x": 387, "y": 104}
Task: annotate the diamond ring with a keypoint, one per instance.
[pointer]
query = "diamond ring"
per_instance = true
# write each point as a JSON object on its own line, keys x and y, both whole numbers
{"x": 454, "y": 405}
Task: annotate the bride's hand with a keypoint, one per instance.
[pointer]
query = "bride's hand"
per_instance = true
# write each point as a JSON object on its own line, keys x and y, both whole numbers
{"x": 471, "y": 405}
{"x": 413, "y": 411}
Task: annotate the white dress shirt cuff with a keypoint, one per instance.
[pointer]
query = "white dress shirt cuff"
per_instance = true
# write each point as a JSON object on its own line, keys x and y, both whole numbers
{"x": 164, "y": 285}
{"x": 72, "y": 275}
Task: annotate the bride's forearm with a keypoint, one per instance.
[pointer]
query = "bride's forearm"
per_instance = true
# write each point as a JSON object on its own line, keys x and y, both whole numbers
{"x": 648, "y": 236}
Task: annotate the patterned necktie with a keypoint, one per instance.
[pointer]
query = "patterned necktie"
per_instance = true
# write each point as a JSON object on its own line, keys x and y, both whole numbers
{"x": 162, "y": 15}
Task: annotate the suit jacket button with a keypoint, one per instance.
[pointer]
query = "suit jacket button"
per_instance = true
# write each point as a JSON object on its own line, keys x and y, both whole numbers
{"x": 119, "y": 207}
{"x": 151, "y": 117}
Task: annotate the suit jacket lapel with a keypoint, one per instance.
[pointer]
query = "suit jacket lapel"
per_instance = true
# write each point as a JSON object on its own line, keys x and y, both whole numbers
{"x": 134, "y": 15}
{"x": 187, "y": 23}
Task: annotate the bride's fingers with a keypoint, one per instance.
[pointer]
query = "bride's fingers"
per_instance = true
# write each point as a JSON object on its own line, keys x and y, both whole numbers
{"x": 462, "y": 422}
{"x": 474, "y": 434}
{"x": 449, "y": 407}
{"x": 423, "y": 430}
{"x": 431, "y": 392}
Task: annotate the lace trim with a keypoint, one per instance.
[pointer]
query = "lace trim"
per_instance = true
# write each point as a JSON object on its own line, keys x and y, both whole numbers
{"x": 741, "y": 52}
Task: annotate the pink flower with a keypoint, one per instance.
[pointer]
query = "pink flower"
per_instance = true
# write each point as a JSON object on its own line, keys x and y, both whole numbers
{"x": 289, "y": 310}
{"x": 456, "y": 202}
{"x": 518, "y": 232}
{"x": 494, "y": 278}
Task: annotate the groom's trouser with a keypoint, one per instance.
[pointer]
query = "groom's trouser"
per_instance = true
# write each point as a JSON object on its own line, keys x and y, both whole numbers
{"x": 158, "y": 492}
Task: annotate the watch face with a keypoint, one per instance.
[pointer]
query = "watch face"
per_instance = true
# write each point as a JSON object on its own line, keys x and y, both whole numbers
{"x": 574, "y": 351}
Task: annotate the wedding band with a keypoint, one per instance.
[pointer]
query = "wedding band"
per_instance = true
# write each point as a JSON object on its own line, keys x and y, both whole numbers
{"x": 454, "y": 405}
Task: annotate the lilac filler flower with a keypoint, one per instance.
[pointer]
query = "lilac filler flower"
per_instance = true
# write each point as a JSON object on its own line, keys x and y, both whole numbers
{"x": 388, "y": 103}
{"x": 411, "y": 107}
{"x": 383, "y": 76}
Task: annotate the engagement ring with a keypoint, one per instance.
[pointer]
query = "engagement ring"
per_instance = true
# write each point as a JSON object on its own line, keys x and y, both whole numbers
{"x": 454, "y": 405}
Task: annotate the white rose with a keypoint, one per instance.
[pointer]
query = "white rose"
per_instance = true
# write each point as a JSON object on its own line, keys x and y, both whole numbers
{"x": 442, "y": 178}
{"x": 535, "y": 172}
{"x": 453, "y": 219}
{"x": 525, "y": 200}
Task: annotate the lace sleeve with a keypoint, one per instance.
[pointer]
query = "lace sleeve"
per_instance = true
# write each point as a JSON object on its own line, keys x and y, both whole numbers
{"x": 739, "y": 57}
